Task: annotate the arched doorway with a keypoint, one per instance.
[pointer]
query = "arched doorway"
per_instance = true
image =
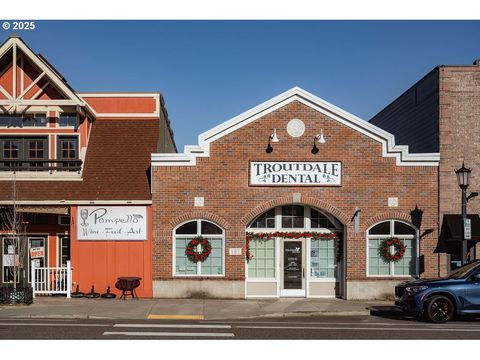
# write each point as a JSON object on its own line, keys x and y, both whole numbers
{"x": 295, "y": 251}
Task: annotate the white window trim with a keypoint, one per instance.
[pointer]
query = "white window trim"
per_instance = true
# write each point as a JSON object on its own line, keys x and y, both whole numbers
{"x": 30, "y": 127}
{"x": 57, "y": 121}
{"x": 278, "y": 227}
{"x": 199, "y": 264}
{"x": 5, "y": 236}
{"x": 392, "y": 234}
{"x": 58, "y": 244}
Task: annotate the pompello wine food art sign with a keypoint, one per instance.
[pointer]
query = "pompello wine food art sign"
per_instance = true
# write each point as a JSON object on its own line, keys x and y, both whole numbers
{"x": 283, "y": 173}
{"x": 112, "y": 223}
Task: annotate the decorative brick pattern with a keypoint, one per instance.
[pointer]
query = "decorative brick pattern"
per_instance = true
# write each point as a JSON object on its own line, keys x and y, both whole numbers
{"x": 459, "y": 124}
{"x": 368, "y": 179}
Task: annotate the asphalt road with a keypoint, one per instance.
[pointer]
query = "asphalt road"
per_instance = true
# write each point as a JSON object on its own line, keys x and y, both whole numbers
{"x": 317, "y": 327}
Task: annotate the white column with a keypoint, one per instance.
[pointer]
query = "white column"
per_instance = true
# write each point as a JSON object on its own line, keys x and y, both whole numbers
{"x": 32, "y": 269}
{"x": 69, "y": 279}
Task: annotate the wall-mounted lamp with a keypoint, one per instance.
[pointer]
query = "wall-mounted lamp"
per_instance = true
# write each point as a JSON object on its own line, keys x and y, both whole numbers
{"x": 272, "y": 138}
{"x": 318, "y": 138}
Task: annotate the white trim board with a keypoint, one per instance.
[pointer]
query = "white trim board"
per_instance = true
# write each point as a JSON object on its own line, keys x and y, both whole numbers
{"x": 18, "y": 43}
{"x": 389, "y": 149}
{"x": 78, "y": 202}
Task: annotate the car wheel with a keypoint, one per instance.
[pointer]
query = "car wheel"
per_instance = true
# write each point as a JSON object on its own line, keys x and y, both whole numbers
{"x": 439, "y": 309}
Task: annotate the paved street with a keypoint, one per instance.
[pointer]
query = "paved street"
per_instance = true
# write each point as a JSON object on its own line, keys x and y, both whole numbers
{"x": 314, "y": 327}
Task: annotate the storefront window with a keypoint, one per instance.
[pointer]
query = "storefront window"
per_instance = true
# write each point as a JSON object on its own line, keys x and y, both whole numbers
{"x": 319, "y": 220}
{"x": 36, "y": 247}
{"x": 213, "y": 265}
{"x": 262, "y": 265}
{"x": 10, "y": 252}
{"x": 294, "y": 218}
{"x": 407, "y": 266}
{"x": 265, "y": 221}
{"x": 322, "y": 257}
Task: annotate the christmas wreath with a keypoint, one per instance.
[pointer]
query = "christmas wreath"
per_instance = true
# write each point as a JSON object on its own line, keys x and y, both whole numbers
{"x": 286, "y": 235}
{"x": 385, "y": 247}
{"x": 198, "y": 249}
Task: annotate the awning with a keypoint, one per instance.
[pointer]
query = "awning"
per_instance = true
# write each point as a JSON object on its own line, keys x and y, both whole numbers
{"x": 452, "y": 228}
{"x": 61, "y": 210}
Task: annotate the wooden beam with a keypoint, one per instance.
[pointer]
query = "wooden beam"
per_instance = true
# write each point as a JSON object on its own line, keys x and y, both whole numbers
{"x": 22, "y": 74}
{"x": 14, "y": 71}
{"x": 37, "y": 94}
{"x": 29, "y": 102}
{"x": 4, "y": 49}
{"x": 52, "y": 76}
{"x": 31, "y": 85}
{"x": 4, "y": 92}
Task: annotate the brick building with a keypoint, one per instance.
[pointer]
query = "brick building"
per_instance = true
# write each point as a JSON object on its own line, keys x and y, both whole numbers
{"x": 76, "y": 165}
{"x": 325, "y": 187}
{"x": 441, "y": 113}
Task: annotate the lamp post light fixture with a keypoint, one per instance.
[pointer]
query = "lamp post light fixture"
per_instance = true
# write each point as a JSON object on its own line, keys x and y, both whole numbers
{"x": 463, "y": 180}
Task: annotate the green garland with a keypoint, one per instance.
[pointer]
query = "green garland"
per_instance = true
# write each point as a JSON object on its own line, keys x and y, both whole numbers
{"x": 287, "y": 235}
{"x": 384, "y": 250}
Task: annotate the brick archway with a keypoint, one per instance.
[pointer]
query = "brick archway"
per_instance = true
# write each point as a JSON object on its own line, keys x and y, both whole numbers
{"x": 389, "y": 215}
{"x": 289, "y": 199}
{"x": 199, "y": 214}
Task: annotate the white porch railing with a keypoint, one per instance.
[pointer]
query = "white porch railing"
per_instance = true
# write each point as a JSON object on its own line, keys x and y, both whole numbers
{"x": 51, "y": 280}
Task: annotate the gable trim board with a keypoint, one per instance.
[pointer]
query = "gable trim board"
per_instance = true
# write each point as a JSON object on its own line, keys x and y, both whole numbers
{"x": 389, "y": 148}
{"x": 76, "y": 202}
{"x": 73, "y": 99}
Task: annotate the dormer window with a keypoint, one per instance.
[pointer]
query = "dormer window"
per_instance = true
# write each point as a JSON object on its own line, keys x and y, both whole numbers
{"x": 29, "y": 153}
{"x": 68, "y": 119}
{"x": 35, "y": 120}
{"x": 68, "y": 150}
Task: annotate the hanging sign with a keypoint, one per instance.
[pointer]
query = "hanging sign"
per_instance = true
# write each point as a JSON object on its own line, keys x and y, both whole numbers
{"x": 37, "y": 252}
{"x": 283, "y": 173}
{"x": 467, "y": 226}
{"x": 10, "y": 260}
{"x": 111, "y": 223}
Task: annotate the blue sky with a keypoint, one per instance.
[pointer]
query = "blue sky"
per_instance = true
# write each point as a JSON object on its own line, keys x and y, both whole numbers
{"x": 210, "y": 71}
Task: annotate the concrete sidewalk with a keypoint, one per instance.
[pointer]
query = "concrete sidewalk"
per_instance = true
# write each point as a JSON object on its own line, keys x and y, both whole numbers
{"x": 184, "y": 309}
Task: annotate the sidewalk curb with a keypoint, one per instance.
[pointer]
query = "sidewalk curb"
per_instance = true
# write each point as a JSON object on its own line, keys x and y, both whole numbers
{"x": 294, "y": 314}
{"x": 206, "y": 318}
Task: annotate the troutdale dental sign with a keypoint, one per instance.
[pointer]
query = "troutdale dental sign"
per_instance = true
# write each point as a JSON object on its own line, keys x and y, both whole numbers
{"x": 295, "y": 173}
{"x": 112, "y": 223}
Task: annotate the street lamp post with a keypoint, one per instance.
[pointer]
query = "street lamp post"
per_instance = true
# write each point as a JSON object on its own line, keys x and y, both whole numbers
{"x": 463, "y": 179}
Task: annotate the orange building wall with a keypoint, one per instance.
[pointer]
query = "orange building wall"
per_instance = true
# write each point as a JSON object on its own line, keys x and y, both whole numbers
{"x": 6, "y": 80}
{"x": 100, "y": 263}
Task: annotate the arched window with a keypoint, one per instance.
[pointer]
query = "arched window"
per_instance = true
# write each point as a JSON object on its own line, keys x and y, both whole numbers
{"x": 294, "y": 218}
{"x": 407, "y": 266}
{"x": 214, "y": 265}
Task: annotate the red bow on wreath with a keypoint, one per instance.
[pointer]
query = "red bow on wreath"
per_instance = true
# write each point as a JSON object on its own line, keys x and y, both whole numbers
{"x": 384, "y": 250}
{"x": 192, "y": 249}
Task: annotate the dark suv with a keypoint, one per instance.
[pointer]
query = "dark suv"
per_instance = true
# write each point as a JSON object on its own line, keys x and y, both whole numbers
{"x": 440, "y": 300}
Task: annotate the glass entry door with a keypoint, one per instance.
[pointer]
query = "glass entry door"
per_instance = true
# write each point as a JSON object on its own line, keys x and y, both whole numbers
{"x": 293, "y": 268}
{"x": 37, "y": 249}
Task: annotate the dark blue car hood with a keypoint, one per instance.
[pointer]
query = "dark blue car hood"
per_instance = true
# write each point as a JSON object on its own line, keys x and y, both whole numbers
{"x": 430, "y": 282}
